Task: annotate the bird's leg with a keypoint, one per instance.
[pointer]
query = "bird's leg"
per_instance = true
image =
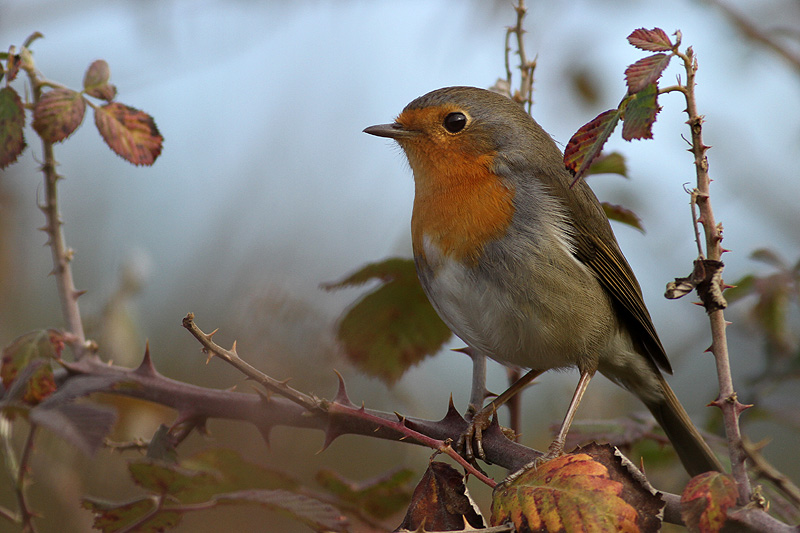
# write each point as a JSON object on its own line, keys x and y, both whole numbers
{"x": 481, "y": 420}
{"x": 479, "y": 392}
{"x": 556, "y": 448}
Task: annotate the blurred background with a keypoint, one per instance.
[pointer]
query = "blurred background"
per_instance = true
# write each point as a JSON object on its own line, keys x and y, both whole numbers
{"x": 267, "y": 187}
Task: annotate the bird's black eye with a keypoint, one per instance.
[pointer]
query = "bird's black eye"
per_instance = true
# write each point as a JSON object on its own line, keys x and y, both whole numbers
{"x": 455, "y": 122}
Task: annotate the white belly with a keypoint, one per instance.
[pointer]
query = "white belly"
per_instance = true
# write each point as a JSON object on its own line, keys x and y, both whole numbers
{"x": 532, "y": 323}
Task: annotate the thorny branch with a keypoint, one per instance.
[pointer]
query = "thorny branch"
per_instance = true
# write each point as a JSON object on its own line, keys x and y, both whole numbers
{"x": 727, "y": 399}
{"x": 62, "y": 255}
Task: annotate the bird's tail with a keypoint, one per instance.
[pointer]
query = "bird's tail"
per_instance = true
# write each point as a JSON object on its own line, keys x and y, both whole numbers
{"x": 693, "y": 451}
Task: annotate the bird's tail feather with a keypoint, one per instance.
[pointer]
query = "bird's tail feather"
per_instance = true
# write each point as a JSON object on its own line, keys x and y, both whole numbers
{"x": 692, "y": 449}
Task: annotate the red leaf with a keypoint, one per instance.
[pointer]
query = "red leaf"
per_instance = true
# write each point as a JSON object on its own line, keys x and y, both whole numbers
{"x": 641, "y": 109}
{"x": 57, "y": 114}
{"x": 12, "y": 122}
{"x": 587, "y": 143}
{"x": 645, "y": 71}
{"x": 655, "y": 40}
{"x": 95, "y": 81}
{"x": 131, "y": 133}
{"x": 705, "y": 501}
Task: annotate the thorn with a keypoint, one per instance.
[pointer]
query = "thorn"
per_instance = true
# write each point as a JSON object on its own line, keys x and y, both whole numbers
{"x": 42, "y": 228}
{"x": 715, "y": 403}
{"x": 465, "y": 350}
{"x": 209, "y": 335}
{"x": 700, "y": 304}
{"x": 146, "y": 367}
{"x": 710, "y": 349}
{"x": 233, "y": 349}
{"x": 265, "y": 435}
{"x": 728, "y": 323}
{"x": 341, "y": 393}
{"x": 209, "y": 354}
{"x": 78, "y": 294}
{"x": 724, "y": 250}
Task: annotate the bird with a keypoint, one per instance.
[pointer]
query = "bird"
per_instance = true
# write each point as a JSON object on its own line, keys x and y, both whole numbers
{"x": 522, "y": 264}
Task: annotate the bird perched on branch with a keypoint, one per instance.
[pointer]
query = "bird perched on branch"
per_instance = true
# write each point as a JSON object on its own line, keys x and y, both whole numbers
{"x": 523, "y": 267}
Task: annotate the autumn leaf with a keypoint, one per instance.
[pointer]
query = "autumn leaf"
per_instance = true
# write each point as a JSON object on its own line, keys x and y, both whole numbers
{"x": 12, "y": 64}
{"x": 130, "y": 133}
{"x": 58, "y": 114}
{"x": 587, "y": 143}
{"x": 655, "y": 40}
{"x": 393, "y": 326}
{"x": 645, "y": 71}
{"x": 640, "y": 114}
{"x": 12, "y": 122}
{"x": 441, "y": 503}
{"x": 95, "y": 81}
{"x": 569, "y": 493}
{"x": 41, "y": 345}
{"x": 705, "y": 501}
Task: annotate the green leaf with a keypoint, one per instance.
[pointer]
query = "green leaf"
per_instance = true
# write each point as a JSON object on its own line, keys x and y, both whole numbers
{"x": 770, "y": 257}
{"x": 613, "y": 163}
{"x": 587, "y": 143}
{"x": 206, "y": 480}
{"x": 12, "y": 122}
{"x": 393, "y": 326}
{"x": 317, "y": 515}
{"x": 622, "y": 214}
{"x": 130, "y": 133}
{"x": 381, "y": 497}
{"x": 741, "y": 288}
{"x": 205, "y": 474}
{"x": 640, "y": 114}
{"x": 655, "y": 40}
{"x": 111, "y": 517}
{"x": 58, "y": 114}
{"x": 645, "y": 71}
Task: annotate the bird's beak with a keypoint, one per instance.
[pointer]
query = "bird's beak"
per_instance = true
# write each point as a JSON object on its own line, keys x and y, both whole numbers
{"x": 392, "y": 131}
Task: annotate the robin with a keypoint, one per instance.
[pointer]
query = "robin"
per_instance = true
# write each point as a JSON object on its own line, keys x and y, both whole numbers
{"x": 524, "y": 267}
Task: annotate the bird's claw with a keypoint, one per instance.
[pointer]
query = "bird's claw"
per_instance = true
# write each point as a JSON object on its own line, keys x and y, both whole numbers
{"x": 470, "y": 443}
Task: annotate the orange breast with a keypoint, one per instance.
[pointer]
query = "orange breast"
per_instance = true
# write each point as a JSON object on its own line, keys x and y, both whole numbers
{"x": 459, "y": 204}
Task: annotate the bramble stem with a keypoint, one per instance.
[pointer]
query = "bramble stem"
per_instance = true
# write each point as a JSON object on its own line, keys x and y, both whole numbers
{"x": 727, "y": 400}
{"x": 62, "y": 255}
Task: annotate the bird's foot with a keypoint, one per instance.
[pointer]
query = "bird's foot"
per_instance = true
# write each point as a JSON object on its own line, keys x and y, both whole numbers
{"x": 470, "y": 443}
{"x": 555, "y": 450}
